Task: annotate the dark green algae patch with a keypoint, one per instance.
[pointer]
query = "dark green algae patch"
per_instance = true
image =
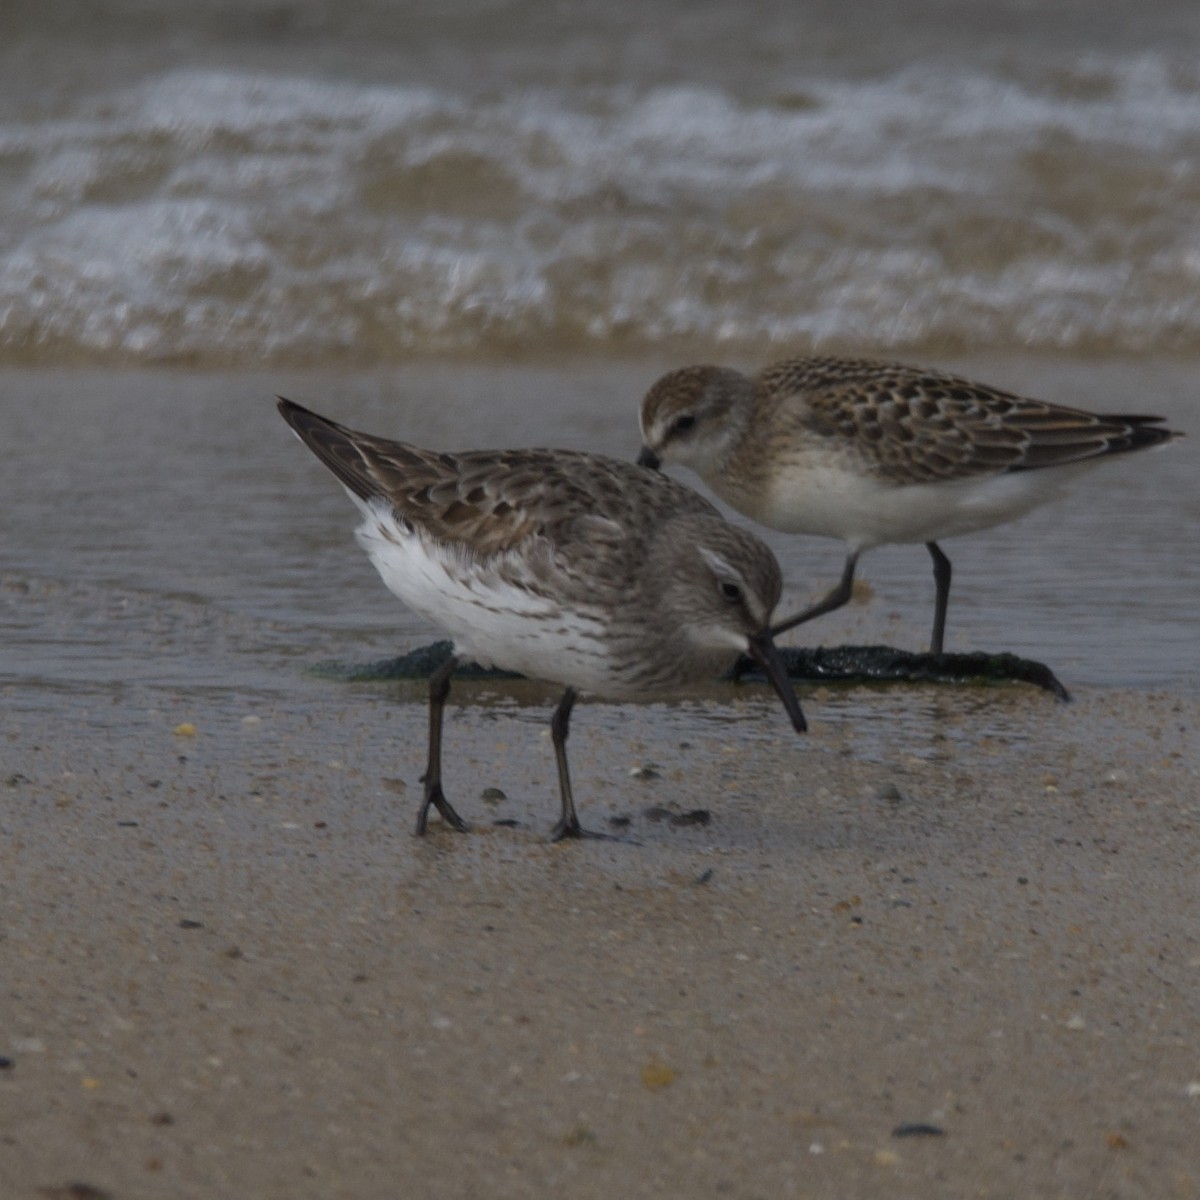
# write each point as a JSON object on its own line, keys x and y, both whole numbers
{"x": 818, "y": 664}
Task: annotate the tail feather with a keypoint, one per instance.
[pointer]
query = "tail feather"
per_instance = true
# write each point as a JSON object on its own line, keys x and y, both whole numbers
{"x": 1142, "y": 432}
{"x": 1059, "y": 444}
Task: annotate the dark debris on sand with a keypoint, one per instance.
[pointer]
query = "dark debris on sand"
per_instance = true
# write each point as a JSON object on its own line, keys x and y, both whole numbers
{"x": 818, "y": 664}
{"x": 885, "y": 664}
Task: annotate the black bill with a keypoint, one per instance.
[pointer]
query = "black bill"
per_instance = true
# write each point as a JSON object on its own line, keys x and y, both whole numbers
{"x": 762, "y": 650}
{"x": 648, "y": 458}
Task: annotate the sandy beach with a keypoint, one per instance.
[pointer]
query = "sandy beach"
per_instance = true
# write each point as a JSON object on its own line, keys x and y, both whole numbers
{"x": 944, "y": 946}
{"x": 230, "y": 970}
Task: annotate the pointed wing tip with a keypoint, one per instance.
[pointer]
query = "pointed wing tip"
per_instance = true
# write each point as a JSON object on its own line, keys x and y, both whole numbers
{"x": 303, "y": 420}
{"x": 337, "y": 447}
{"x": 291, "y": 411}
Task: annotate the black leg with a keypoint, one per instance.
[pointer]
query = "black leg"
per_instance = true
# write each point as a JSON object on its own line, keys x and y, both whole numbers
{"x": 568, "y": 823}
{"x": 560, "y": 725}
{"x": 941, "y": 578}
{"x": 835, "y": 599}
{"x": 439, "y": 689}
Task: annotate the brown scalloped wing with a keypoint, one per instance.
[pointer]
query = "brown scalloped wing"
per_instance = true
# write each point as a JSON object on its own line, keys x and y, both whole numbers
{"x": 493, "y": 500}
{"x": 915, "y": 425}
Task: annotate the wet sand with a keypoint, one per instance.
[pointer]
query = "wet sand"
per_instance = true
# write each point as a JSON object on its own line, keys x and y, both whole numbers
{"x": 230, "y": 970}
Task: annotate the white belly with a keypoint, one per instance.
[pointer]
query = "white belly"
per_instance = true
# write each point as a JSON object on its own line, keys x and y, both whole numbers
{"x": 864, "y": 512}
{"x": 491, "y": 621}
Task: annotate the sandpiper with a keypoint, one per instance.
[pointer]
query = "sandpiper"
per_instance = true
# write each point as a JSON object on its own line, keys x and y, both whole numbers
{"x": 572, "y": 568}
{"x": 875, "y": 453}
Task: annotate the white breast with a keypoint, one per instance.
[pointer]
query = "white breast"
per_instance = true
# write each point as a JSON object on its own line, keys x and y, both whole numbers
{"x": 864, "y": 512}
{"x": 491, "y": 620}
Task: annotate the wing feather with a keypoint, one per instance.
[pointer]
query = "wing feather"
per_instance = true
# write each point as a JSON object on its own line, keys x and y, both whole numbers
{"x": 911, "y": 424}
{"x": 491, "y": 502}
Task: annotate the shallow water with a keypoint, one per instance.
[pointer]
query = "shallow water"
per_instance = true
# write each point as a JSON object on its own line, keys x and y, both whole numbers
{"x": 165, "y": 529}
{"x": 480, "y": 224}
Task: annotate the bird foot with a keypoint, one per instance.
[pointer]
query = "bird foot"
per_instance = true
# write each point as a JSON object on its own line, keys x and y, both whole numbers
{"x": 572, "y": 829}
{"x": 435, "y": 799}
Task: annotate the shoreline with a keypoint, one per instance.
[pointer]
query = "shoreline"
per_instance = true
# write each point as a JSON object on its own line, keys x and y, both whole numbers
{"x": 231, "y": 970}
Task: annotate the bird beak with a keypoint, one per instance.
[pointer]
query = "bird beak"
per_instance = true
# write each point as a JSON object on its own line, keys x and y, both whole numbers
{"x": 763, "y": 651}
{"x": 648, "y": 458}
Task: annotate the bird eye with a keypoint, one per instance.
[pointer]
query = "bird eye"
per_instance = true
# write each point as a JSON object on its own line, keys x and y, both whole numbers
{"x": 731, "y": 592}
{"x": 684, "y": 423}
